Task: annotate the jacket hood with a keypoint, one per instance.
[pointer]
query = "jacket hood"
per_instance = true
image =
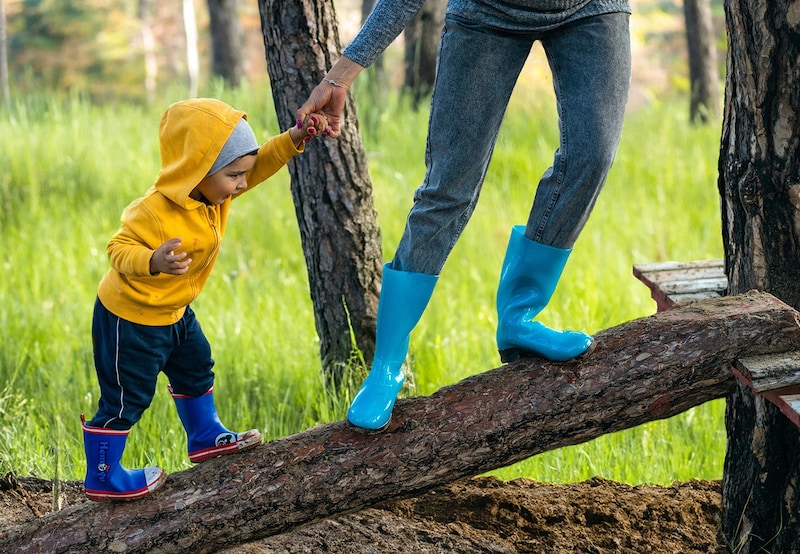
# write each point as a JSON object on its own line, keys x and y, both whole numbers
{"x": 191, "y": 135}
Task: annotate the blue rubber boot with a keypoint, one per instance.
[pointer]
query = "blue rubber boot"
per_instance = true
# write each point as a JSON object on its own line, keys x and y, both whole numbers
{"x": 404, "y": 297}
{"x": 531, "y": 271}
{"x": 207, "y": 437}
{"x": 106, "y": 479}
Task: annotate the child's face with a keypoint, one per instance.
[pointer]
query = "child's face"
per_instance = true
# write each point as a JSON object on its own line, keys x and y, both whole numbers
{"x": 230, "y": 180}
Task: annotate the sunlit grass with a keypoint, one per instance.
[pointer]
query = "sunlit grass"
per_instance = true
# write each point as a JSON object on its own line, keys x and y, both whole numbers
{"x": 71, "y": 167}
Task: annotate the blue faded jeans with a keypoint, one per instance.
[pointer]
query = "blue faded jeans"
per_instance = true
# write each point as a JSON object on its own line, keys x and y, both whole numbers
{"x": 478, "y": 66}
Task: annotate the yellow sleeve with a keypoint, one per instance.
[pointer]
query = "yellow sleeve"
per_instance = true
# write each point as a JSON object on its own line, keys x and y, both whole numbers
{"x": 132, "y": 246}
{"x": 272, "y": 156}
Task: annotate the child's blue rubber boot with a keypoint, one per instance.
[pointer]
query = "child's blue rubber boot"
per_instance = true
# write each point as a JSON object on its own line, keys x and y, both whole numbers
{"x": 207, "y": 437}
{"x": 106, "y": 479}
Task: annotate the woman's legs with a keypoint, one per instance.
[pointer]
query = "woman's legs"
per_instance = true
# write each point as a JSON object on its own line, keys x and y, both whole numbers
{"x": 476, "y": 73}
{"x": 590, "y": 61}
{"x": 591, "y": 65}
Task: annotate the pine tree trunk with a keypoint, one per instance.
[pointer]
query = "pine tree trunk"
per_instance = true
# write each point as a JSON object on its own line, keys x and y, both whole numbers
{"x": 643, "y": 370}
{"x": 759, "y": 157}
{"x": 4, "y": 80}
{"x": 148, "y": 50}
{"x": 192, "y": 54}
{"x": 330, "y": 185}
{"x": 421, "y": 37}
{"x": 703, "y": 73}
{"x": 227, "y": 41}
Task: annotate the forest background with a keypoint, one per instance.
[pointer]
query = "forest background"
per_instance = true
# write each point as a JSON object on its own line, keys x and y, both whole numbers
{"x": 78, "y": 143}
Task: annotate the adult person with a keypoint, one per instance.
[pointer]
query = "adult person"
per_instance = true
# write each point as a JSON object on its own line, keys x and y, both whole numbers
{"x": 484, "y": 44}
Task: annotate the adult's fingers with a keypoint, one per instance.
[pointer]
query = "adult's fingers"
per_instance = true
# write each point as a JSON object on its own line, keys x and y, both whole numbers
{"x": 329, "y": 101}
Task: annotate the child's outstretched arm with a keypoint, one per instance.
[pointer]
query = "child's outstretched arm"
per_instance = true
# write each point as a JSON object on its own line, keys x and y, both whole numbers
{"x": 277, "y": 151}
{"x": 165, "y": 260}
{"x": 312, "y": 126}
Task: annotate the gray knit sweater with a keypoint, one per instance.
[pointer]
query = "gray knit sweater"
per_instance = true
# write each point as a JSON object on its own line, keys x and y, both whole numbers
{"x": 389, "y": 18}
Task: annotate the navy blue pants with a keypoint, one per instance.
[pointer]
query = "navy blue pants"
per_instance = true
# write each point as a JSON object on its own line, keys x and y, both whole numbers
{"x": 128, "y": 358}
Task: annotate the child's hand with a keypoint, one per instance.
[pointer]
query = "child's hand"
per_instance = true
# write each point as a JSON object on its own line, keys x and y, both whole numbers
{"x": 314, "y": 125}
{"x": 165, "y": 260}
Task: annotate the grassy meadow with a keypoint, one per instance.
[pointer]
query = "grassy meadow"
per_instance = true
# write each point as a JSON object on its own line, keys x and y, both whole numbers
{"x": 70, "y": 167}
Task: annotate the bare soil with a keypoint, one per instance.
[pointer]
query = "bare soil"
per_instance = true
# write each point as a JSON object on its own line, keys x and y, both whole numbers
{"x": 479, "y": 515}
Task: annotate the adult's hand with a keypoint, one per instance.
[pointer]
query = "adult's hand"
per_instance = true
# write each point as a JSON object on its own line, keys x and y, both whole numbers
{"x": 329, "y": 96}
{"x": 327, "y": 99}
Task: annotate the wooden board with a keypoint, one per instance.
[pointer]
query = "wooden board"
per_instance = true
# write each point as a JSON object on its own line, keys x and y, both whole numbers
{"x": 776, "y": 377}
{"x": 677, "y": 283}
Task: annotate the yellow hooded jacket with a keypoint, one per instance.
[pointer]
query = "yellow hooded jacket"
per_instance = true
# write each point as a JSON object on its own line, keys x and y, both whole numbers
{"x": 191, "y": 135}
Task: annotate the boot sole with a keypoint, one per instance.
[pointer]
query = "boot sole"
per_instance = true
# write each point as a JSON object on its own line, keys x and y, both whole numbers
{"x": 126, "y": 497}
{"x": 513, "y": 354}
{"x": 365, "y": 431}
{"x": 250, "y": 439}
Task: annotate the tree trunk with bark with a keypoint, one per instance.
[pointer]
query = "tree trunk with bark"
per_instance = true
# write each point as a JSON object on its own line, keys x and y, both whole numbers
{"x": 759, "y": 157}
{"x": 148, "y": 50}
{"x": 330, "y": 185}
{"x": 703, "y": 73}
{"x": 376, "y": 73}
{"x": 192, "y": 54}
{"x": 4, "y": 80}
{"x": 227, "y": 41}
{"x": 421, "y": 37}
{"x": 643, "y": 370}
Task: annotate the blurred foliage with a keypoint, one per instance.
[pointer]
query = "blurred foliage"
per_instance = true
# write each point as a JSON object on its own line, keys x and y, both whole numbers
{"x": 91, "y": 45}
{"x": 96, "y": 46}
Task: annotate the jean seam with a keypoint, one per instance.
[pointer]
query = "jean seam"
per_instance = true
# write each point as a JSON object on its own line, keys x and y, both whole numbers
{"x": 562, "y": 146}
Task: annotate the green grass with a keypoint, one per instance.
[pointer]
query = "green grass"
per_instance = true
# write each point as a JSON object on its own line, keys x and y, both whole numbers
{"x": 70, "y": 167}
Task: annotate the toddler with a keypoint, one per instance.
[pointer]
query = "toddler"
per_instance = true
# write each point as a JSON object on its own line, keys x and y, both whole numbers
{"x": 160, "y": 258}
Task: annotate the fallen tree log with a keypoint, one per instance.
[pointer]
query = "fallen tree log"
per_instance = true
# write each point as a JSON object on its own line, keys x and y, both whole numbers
{"x": 643, "y": 370}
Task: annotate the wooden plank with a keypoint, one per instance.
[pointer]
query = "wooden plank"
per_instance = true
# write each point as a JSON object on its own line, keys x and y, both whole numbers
{"x": 792, "y": 402}
{"x": 775, "y": 377}
{"x": 672, "y": 271}
{"x": 688, "y": 286}
{"x": 677, "y": 283}
{"x": 689, "y": 297}
{"x": 771, "y": 371}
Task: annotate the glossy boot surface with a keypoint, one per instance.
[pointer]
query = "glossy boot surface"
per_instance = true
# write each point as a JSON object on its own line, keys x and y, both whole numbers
{"x": 530, "y": 273}
{"x": 404, "y": 297}
{"x": 106, "y": 479}
{"x": 206, "y": 436}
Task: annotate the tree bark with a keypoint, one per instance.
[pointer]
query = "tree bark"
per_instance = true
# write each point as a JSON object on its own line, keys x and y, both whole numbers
{"x": 643, "y": 370}
{"x": 330, "y": 186}
{"x": 227, "y": 41}
{"x": 376, "y": 73}
{"x": 703, "y": 73}
{"x": 759, "y": 156}
{"x": 4, "y": 58}
{"x": 192, "y": 54}
{"x": 148, "y": 50}
{"x": 421, "y": 37}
